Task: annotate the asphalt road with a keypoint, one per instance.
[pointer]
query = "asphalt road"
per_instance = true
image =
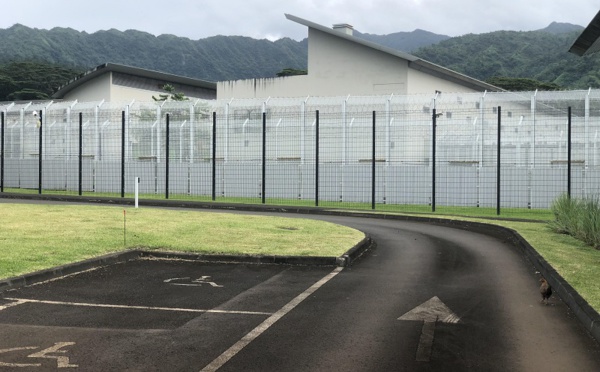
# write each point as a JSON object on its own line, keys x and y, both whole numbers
{"x": 426, "y": 298}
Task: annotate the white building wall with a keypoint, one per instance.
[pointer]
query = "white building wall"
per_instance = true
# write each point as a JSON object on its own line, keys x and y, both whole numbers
{"x": 423, "y": 83}
{"x": 97, "y": 89}
{"x": 289, "y": 86}
{"x": 340, "y": 67}
{"x": 124, "y": 88}
{"x": 119, "y": 93}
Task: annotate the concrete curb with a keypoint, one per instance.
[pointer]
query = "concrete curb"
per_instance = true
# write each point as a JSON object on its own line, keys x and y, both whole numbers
{"x": 63, "y": 270}
{"x": 588, "y": 316}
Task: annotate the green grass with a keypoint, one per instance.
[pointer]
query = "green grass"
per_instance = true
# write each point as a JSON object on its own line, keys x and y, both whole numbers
{"x": 35, "y": 237}
{"x": 485, "y": 212}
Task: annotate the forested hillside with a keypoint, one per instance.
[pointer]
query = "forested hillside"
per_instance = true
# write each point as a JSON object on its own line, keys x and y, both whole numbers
{"x": 34, "y": 62}
{"x": 541, "y": 55}
{"x": 32, "y": 80}
{"x": 214, "y": 58}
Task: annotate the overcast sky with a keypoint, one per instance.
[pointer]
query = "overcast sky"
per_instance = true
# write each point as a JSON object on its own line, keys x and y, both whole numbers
{"x": 260, "y": 19}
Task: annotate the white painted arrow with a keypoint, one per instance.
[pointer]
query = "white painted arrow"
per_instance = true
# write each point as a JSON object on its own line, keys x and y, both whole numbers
{"x": 429, "y": 312}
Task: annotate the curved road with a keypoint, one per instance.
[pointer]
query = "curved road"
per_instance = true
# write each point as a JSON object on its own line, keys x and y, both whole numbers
{"x": 352, "y": 323}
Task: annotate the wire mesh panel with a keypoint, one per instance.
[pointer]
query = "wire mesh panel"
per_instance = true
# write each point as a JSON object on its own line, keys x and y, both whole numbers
{"x": 109, "y": 151}
{"x": 407, "y": 150}
{"x": 21, "y": 138}
{"x": 239, "y": 174}
{"x": 285, "y": 153}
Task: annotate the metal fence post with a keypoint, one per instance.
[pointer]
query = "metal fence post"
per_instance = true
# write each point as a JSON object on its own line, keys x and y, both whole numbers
{"x": 498, "y": 162}
{"x": 167, "y": 141}
{"x": 317, "y": 159}
{"x": 80, "y": 160}
{"x": 122, "y": 154}
{"x": 214, "y": 157}
{"x": 264, "y": 156}
{"x": 40, "y": 149}
{"x": 373, "y": 167}
{"x": 2, "y": 151}
{"x": 433, "y": 144}
{"x": 569, "y": 148}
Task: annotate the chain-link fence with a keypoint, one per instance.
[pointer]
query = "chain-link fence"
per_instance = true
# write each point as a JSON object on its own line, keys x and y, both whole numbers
{"x": 490, "y": 151}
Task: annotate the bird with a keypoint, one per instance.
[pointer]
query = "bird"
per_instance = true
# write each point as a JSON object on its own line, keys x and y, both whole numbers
{"x": 545, "y": 290}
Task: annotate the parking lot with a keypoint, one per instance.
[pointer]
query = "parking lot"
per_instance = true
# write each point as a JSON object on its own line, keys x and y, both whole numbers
{"x": 146, "y": 314}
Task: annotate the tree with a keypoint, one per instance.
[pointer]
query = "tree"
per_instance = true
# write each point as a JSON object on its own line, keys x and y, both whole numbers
{"x": 170, "y": 94}
{"x": 27, "y": 80}
{"x": 521, "y": 84}
{"x": 27, "y": 95}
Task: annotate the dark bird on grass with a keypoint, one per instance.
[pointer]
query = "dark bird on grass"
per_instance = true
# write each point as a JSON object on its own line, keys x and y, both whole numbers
{"x": 545, "y": 290}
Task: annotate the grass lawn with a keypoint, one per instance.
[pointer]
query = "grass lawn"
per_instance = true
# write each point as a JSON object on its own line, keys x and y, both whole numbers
{"x": 38, "y": 236}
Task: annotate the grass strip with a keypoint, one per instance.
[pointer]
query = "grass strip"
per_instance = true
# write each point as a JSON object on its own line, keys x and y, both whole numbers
{"x": 35, "y": 237}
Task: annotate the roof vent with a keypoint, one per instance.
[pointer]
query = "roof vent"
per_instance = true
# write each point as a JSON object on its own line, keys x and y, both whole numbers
{"x": 344, "y": 27}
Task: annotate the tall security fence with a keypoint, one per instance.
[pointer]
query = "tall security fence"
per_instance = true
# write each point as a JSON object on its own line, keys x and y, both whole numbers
{"x": 491, "y": 150}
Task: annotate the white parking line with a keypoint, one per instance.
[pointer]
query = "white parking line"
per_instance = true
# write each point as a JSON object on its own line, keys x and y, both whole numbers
{"x": 253, "y": 334}
{"x": 17, "y": 302}
{"x": 20, "y": 301}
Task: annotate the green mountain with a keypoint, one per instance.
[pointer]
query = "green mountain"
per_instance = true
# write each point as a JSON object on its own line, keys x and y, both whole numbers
{"x": 404, "y": 41}
{"x": 541, "y": 55}
{"x": 214, "y": 58}
{"x": 31, "y": 56}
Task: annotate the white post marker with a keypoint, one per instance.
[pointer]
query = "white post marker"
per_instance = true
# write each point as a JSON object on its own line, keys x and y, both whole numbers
{"x": 429, "y": 312}
{"x": 137, "y": 190}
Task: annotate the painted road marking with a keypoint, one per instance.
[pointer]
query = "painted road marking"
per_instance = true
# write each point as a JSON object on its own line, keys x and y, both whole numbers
{"x": 192, "y": 283}
{"x": 19, "y": 365}
{"x": 429, "y": 313}
{"x": 63, "y": 276}
{"x": 26, "y": 300}
{"x": 62, "y": 361}
{"x": 252, "y": 335}
{"x": 17, "y": 302}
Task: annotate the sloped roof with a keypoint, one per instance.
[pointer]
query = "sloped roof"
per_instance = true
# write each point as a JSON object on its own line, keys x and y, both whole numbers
{"x": 135, "y": 71}
{"x": 589, "y": 40}
{"x": 414, "y": 62}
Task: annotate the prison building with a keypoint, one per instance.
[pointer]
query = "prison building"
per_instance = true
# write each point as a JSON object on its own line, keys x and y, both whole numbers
{"x": 119, "y": 83}
{"x": 341, "y": 64}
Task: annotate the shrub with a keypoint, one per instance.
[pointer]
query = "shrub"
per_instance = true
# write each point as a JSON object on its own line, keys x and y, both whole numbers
{"x": 564, "y": 210}
{"x": 579, "y": 218}
{"x": 589, "y": 222}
